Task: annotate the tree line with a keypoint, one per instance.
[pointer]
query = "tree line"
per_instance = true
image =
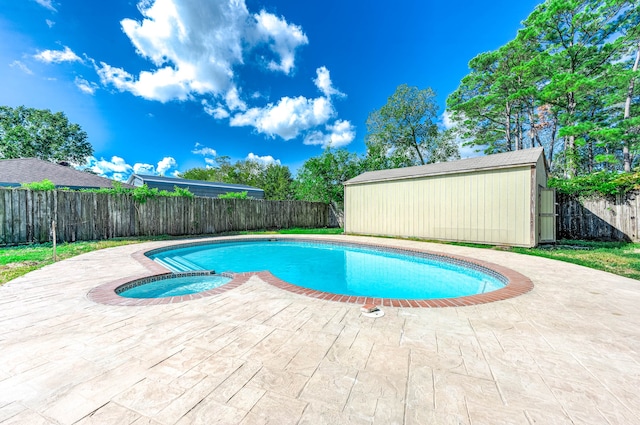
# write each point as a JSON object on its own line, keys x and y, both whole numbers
{"x": 567, "y": 82}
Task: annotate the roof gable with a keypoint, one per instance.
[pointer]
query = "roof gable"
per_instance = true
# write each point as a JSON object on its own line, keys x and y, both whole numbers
{"x": 14, "y": 172}
{"x": 496, "y": 161}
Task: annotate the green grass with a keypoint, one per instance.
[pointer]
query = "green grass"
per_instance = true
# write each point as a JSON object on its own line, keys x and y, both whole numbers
{"x": 620, "y": 258}
{"x": 20, "y": 260}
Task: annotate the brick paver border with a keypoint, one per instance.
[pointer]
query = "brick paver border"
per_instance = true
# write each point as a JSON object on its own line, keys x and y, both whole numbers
{"x": 516, "y": 283}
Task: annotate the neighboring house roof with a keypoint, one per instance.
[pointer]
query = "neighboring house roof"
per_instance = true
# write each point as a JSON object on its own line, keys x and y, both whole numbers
{"x": 197, "y": 187}
{"x": 176, "y": 180}
{"x": 496, "y": 161}
{"x": 14, "y": 172}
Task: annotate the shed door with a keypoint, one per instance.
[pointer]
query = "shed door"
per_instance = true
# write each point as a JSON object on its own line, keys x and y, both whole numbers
{"x": 547, "y": 216}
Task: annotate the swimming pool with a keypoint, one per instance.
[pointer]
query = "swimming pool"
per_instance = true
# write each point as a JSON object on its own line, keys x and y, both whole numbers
{"x": 343, "y": 269}
{"x": 172, "y": 285}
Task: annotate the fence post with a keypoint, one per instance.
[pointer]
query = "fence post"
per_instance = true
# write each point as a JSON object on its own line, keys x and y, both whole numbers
{"x": 53, "y": 235}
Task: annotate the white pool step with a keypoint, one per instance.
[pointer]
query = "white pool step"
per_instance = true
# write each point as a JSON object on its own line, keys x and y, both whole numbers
{"x": 178, "y": 264}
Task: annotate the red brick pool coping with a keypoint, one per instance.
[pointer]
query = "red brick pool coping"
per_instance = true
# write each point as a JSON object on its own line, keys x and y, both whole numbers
{"x": 518, "y": 284}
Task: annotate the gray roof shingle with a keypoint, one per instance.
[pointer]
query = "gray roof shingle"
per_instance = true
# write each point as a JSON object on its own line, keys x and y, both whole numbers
{"x": 500, "y": 160}
{"x": 14, "y": 172}
{"x": 177, "y": 180}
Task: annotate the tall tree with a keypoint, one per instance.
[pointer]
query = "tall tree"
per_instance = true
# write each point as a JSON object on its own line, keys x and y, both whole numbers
{"x": 495, "y": 105}
{"x": 631, "y": 124}
{"x": 39, "y": 133}
{"x": 579, "y": 39}
{"x": 277, "y": 183}
{"x": 404, "y": 131}
{"x": 619, "y": 128}
{"x": 562, "y": 81}
{"x": 199, "y": 173}
{"x": 320, "y": 178}
{"x": 274, "y": 179}
{"x": 220, "y": 171}
{"x": 251, "y": 173}
{"x": 478, "y": 108}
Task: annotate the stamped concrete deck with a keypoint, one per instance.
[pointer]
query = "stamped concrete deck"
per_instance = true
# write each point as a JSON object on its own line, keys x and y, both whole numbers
{"x": 565, "y": 353}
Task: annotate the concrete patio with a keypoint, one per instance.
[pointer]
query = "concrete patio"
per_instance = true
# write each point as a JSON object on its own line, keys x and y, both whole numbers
{"x": 565, "y": 353}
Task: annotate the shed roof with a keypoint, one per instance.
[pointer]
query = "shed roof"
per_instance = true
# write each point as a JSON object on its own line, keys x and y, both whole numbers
{"x": 179, "y": 181}
{"x": 14, "y": 172}
{"x": 495, "y": 161}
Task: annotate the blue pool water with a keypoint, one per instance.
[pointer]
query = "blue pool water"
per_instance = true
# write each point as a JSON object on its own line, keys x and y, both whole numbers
{"x": 339, "y": 269}
{"x": 175, "y": 286}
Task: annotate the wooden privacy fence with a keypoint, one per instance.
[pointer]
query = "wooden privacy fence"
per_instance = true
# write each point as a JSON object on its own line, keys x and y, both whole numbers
{"x": 26, "y": 216}
{"x": 612, "y": 218}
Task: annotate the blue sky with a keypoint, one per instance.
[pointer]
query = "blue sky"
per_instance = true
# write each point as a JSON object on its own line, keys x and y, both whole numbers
{"x": 162, "y": 86}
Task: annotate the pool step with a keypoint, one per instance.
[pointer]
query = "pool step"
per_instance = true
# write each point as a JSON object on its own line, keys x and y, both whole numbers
{"x": 178, "y": 264}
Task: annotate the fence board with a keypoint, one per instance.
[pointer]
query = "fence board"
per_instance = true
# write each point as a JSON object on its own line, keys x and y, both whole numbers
{"x": 603, "y": 218}
{"x": 4, "y": 216}
{"x": 41, "y": 215}
{"x": 26, "y": 216}
{"x": 18, "y": 203}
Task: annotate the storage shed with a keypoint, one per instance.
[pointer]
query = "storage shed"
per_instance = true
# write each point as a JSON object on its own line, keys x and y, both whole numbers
{"x": 197, "y": 187}
{"x": 497, "y": 199}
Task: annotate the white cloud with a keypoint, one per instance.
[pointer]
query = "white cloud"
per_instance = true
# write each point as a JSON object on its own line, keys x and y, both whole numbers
{"x": 233, "y": 100}
{"x": 291, "y": 117}
{"x": 195, "y": 45}
{"x": 288, "y": 118}
{"x": 21, "y": 66}
{"x": 57, "y": 56}
{"x": 118, "y": 169}
{"x": 50, "y": 23}
{"x": 323, "y": 82}
{"x": 147, "y": 169}
{"x": 165, "y": 165}
{"x": 86, "y": 86}
{"x": 286, "y": 38}
{"x": 446, "y": 120}
{"x": 267, "y": 159}
{"x": 218, "y": 112}
{"x": 203, "y": 150}
{"x": 339, "y": 134}
{"x": 47, "y": 4}
{"x": 163, "y": 85}
{"x": 118, "y": 77}
{"x": 196, "y": 48}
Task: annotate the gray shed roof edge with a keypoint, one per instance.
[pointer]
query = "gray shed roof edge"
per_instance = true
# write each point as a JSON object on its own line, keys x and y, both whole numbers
{"x": 482, "y": 163}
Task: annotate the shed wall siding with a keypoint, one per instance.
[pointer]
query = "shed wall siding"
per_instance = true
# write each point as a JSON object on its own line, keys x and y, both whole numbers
{"x": 488, "y": 207}
{"x": 541, "y": 173}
